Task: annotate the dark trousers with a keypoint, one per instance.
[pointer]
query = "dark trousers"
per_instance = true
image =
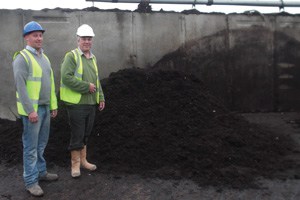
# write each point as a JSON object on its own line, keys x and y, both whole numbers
{"x": 81, "y": 119}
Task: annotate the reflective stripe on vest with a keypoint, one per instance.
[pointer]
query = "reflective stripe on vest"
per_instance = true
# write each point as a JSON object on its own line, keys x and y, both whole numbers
{"x": 33, "y": 83}
{"x": 68, "y": 95}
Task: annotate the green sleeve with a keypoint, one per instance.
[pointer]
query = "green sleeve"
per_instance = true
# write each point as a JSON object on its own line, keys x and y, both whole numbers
{"x": 68, "y": 78}
{"x": 101, "y": 94}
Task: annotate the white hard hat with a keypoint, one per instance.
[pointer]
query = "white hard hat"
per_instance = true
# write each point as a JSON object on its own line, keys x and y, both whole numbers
{"x": 85, "y": 31}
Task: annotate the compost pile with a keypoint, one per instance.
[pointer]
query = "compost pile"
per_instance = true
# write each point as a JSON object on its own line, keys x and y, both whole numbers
{"x": 165, "y": 124}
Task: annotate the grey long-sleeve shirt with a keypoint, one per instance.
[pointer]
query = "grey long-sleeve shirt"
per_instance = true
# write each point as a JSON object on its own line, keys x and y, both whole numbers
{"x": 21, "y": 72}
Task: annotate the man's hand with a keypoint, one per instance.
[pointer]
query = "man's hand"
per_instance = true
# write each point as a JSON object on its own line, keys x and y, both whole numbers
{"x": 101, "y": 105}
{"x": 53, "y": 113}
{"x": 33, "y": 117}
{"x": 92, "y": 88}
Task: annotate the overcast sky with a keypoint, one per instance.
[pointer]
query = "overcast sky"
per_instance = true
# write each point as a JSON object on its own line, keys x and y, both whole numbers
{"x": 79, "y": 4}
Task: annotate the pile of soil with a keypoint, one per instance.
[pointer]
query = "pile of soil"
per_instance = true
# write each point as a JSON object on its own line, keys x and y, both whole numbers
{"x": 144, "y": 7}
{"x": 165, "y": 124}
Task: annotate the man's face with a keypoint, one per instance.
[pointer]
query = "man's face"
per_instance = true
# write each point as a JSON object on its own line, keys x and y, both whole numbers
{"x": 35, "y": 39}
{"x": 85, "y": 43}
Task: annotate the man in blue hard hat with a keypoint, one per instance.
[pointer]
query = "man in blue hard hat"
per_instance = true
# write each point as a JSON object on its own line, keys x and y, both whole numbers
{"x": 36, "y": 104}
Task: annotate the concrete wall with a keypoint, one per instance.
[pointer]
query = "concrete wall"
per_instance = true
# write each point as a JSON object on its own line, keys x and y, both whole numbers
{"x": 131, "y": 39}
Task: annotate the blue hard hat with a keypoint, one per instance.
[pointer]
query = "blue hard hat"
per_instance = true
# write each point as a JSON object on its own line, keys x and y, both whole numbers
{"x": 31, "y": 27}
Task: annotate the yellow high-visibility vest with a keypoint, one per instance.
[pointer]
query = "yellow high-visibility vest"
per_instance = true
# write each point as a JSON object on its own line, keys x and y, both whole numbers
{"x": 69, "y": 95}
{"x": 33, "y": 83}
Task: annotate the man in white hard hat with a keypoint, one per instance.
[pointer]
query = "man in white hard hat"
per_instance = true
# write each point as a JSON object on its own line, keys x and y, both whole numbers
{"x": 36, "y": 103}
{"x": 82, "y": 93}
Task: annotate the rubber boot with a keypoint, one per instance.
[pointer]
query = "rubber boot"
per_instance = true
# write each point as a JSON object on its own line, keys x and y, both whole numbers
{"x": 84, "y": 163}
{"x": 75, "y": 161}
